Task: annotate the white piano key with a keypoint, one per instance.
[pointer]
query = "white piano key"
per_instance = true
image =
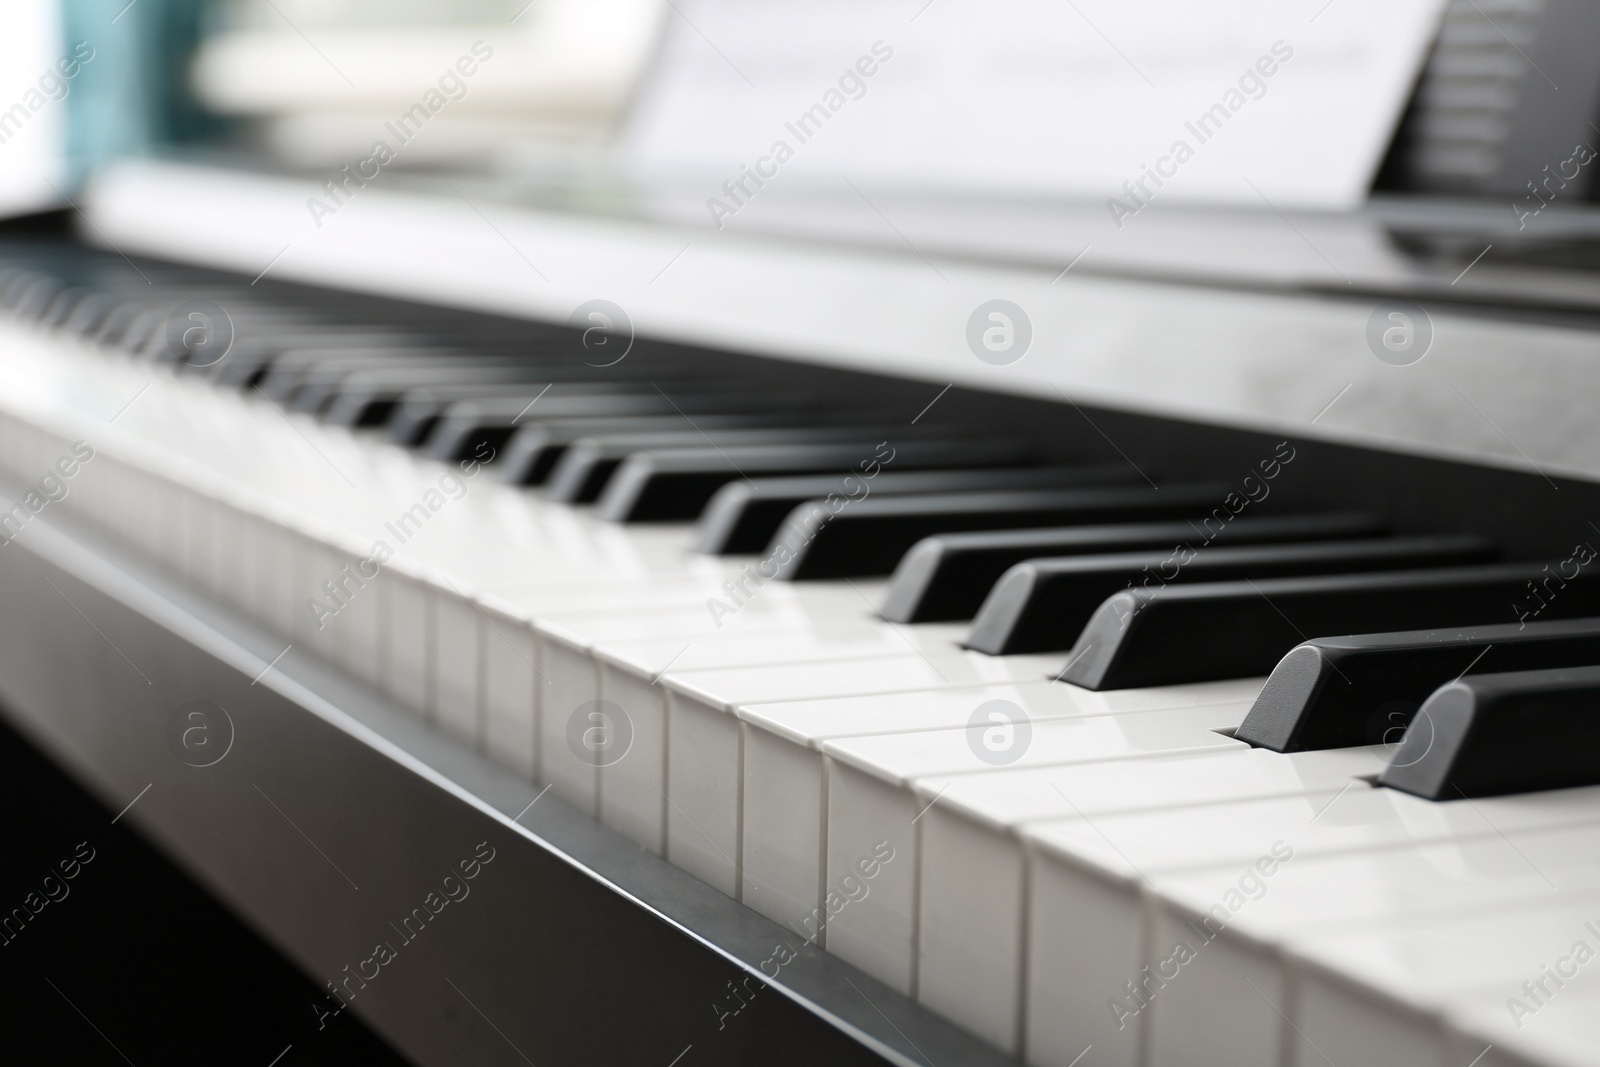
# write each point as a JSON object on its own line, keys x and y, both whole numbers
{"x": 457, "y": 648}
{"x": 89, "y": 490}
{"x": 233, "y": 551}
{"x": 245, "y": 562}
{"x": 224, "y": 582}
{"x": 783, "y": 811}
{"x": 871, "y": 797}
{"x": 309, "y": 561}
{"x": 12, "y": 433}
{"x": 88, "y": 481}
{"x": 363, "y": 618}
{"x": 142, "y": 504}
{"x": 972, "y": 882}
{"x": 409, "y": 633}
{"x": 703, "y": 736}
{"x": 510, "y": 687}
{"x": 633, "y": 789}
{"x": 1564, "y": 1033}
{"x": 1085, "y": 920}
{"x": 126, "y": 481}
{"x": 167, "y": 529}
{"x": 327, "y": 635}
{"x": 1382, "y": 995}
{"x": 114, "y": 478}
{"x": 200, "y": 537}
{"x": 1238, "y": 974}
{"x": 191, "y": 531}
{"x": 270, "y": 576}
{"x": 782, "y": 831}
{"x": 1083, "y": 940}
{"x": 289, "y": 582}
{"x": 568, "y": 625}
{"x": 86, "y": 500}
{"x": 963, "y": 970}
{"x": 571, "y": 686}
{"x": 868, "y": 816}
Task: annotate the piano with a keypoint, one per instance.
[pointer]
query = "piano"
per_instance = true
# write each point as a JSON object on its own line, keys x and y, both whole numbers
{"x": 570, "y": 633}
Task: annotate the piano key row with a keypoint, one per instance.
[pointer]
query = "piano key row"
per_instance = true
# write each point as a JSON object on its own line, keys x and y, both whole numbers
{"x": 922, "y": 944}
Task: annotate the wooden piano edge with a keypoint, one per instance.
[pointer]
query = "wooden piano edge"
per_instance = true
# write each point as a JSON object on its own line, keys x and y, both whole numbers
{"x": 334, "y": 814}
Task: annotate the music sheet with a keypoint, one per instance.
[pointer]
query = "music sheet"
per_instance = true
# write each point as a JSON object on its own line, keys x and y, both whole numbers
{"x": 1129, "y": 102}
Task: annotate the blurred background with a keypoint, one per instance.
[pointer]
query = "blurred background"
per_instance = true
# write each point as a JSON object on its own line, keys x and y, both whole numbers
{"x": 298, "y": 83}
{"x": 1017, "y": 96}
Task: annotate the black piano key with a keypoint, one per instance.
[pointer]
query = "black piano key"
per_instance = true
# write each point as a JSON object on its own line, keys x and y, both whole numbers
{"x": 29, "y": 299}
{"x": 674, "y": 485}
{"x": 1335, "y": 692}
{"x": 1041, "y": 605}
{"x": 580, "y": 476}
{"x": 321, "y": 388}
{"x": 116, "y": 322}
{"x": 294, "y": 367}
{"x": 465, "y": 425}
{"x": 142, "y": 333}
{"x": 413, "y": 419}
{"x": 743, "y": 518}
{"x": 16, "y": 283}
{"x": 868, "y": 537}
{"x": 946, "y": 577}
{"x": 89, "y": 314}
{"x": 142, "y": 329}
{"x": 1212, "y": 630}
{"x": 164, "y": 341}
{"x": 363, "y": 405}
{"x": 367, "y": 397}
{"x": 251, "y": 359}
{"x": 419, "y": 415}
{"x": 304, "y": 353}
{"x": 61, "y": 306}
{"x": 535, "y": 447}
{"x": 147, "y": 326}
{"x": 421, "y": 411}
{"x": 1492, "y": 734}
{"x": 371, "y": 397}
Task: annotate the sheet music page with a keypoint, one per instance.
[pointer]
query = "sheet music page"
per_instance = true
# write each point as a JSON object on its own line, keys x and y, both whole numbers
{"x": 1128, "y": 101}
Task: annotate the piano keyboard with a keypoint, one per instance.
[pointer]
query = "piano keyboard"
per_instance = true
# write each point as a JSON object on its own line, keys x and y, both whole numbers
{"x": 980, "y": 722}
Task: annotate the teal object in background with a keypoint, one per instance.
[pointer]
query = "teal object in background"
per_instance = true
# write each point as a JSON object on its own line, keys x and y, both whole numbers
{"x": 133, "y": 97}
